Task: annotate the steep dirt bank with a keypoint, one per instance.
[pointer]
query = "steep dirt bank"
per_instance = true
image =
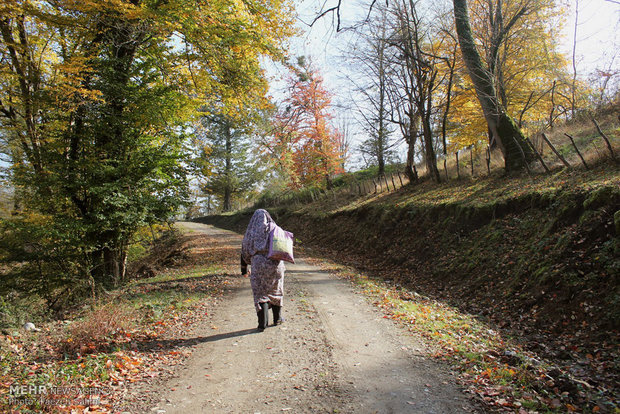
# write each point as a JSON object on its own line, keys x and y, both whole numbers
{"x": 541, "y": 263}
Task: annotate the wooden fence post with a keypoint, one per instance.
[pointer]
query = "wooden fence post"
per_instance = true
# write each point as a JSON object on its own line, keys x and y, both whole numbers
{"x": 542, "y": 148}
{"x": 540, "y": 158}
{"x": 561, "y": 158}
{"x": 527, "y": 165}
{"x": 458, "y": 170}
{"x": 488, "y": 159}
{"x": 471, "y": 160}
{"x": 525, "y": 161}
{"x": 577, "y": 149}
{"x": 386, "y": 182}
{"x": 609, "y": 147}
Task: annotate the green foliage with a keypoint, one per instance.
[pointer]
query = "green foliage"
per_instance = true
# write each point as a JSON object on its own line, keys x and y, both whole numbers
{"x": 16, "y": 309}
{"x": 95, "y": 105}
{"x": 143, "y": 239}
{"x": 47, "y": 258}
{"x": 227, "y": 164}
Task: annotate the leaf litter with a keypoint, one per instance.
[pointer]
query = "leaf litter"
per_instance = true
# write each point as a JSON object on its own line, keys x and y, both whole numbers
{"x": 55, "y": 371}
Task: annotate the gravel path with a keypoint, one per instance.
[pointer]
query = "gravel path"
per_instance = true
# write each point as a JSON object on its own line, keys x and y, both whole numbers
{"x": 335, "y": 353}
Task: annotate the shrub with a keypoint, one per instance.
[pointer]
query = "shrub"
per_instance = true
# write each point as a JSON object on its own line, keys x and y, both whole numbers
{"x": 17, "y": 309}
{"x": 98, "y": 330}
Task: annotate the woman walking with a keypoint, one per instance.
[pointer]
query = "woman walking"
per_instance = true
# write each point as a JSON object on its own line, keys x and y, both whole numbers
{"x": 267, "y": 275}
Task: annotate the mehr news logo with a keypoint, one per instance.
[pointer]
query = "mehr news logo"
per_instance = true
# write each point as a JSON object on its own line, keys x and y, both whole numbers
{"x": 50, "y": 395}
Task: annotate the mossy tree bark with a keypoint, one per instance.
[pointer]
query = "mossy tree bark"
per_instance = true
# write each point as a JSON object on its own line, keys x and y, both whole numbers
{"x": 429, "y": 151}
{"x": 411, "y": 138}
{"x": 504, "y": 131}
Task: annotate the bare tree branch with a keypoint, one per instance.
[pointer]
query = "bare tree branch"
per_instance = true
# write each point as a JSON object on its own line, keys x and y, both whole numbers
{"x": 335, "y": 9}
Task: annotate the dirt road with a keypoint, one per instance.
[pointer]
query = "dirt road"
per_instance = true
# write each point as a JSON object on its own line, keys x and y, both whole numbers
{"x": 334, "y": 353}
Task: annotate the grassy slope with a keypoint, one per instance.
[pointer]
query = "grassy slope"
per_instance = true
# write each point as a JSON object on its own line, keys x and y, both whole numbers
{"x": 537, "y": 258}
{"x": 511, "y": 239}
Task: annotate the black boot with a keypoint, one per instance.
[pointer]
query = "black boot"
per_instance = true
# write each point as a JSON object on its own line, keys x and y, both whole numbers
{"x": 263, "y": 317}
{"x": 277, "y": 319}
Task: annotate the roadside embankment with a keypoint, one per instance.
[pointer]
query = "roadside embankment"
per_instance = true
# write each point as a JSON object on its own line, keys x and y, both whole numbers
{"x": 538, "y": 258}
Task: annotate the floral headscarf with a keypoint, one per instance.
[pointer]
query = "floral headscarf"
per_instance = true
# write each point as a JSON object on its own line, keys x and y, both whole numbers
{"x": 256, "y": 236}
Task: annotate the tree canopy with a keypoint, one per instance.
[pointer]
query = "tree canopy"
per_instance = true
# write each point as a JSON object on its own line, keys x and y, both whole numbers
{"x": 304, "y": 143}
{"x": 96, "y": 101}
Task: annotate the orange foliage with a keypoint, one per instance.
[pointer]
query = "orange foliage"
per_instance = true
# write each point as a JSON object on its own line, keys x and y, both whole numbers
{"x": 307, "y": 144}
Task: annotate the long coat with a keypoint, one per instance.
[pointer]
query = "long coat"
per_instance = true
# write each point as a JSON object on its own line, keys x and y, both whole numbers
{"x": 267, "y": 276}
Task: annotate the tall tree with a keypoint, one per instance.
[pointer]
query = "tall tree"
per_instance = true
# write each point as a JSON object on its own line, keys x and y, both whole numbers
{"x": 503, "y": 130}
{"x": 305, "y": 143}
{"x": 228, "y": 167}
{"x": 419, "y": 76}
{"x": 372, "y": 80}
{"x": 531, "y": 73}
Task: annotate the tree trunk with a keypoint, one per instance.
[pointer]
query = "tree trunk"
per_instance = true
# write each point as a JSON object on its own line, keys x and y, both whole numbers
{"x": 429, "y": 152}
{"x": 97, "y": 272}
{"x": 228, "y": 170}
{"x": 381, "y": 164}
{"x": 414, "y": 119}
{"x": 110, "y": 267}
{"x": 512, "y": 138}
{"x": 109, "y": 260}
{"x": 227, "y": 203}
{"x": 504, "y": 131}
{"x": 122, "y": 265}
{"x": 328, "y": 182}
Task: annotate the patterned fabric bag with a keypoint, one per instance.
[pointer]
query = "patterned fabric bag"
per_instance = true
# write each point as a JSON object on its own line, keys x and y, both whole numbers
{"x": 280, "y": 244}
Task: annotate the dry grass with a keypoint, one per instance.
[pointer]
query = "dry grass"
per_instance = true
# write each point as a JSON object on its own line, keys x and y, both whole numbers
{"x": 95, "y": 332}
{"x": 591, "y": 145}
{"x": 588, "y": 140}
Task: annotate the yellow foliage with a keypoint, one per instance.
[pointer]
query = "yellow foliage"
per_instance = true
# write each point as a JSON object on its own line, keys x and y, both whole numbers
{"x": 212, "y": 49}
{"x": 532, "y": 69}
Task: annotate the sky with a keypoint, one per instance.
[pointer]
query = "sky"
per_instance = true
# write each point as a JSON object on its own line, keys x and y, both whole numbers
{"x": 597, "y": 33}
{"x": 598, "y": 40}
